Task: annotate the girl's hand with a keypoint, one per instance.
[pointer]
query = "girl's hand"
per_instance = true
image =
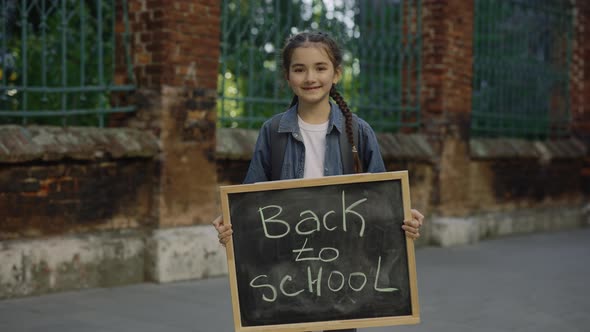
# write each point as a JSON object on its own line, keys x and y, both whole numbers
{"x": 224, "y": 231}
{"x": 412, "y": 227}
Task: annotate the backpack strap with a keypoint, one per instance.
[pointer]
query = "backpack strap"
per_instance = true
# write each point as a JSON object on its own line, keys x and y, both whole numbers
{"x": 278, "y": 143}
{"x": 346, "y": 149}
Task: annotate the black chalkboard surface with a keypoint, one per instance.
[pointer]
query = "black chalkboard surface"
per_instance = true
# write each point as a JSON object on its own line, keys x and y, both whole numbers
{"x": 321, "y": 254}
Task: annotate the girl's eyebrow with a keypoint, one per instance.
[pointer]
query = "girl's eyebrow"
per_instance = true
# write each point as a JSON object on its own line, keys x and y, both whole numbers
{"x": 315, "y": 64}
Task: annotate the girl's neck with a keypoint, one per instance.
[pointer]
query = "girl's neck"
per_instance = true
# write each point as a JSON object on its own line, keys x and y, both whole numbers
{"x": 314, "y": 113}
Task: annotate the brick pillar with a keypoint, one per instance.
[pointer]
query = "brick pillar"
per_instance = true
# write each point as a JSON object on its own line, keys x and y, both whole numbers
{"x": 175, "y": 50}
{"x": 580, "y": 81}
{"x": 447, "y": 66}
{"x": 580, "y": 70}
{"x": 446, "y": 96}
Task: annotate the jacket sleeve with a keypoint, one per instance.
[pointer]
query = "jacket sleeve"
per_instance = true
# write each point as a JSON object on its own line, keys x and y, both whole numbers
{"x": 260, "y": 164}
{"x": 369, "y": 148}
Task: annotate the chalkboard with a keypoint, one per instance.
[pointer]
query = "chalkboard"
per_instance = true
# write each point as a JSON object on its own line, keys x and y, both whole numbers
{"x": 321, "y": 254}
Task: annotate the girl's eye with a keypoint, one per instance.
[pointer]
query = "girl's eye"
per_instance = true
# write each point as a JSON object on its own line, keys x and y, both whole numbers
{"x": 298, "y": 70}
{"x": 322, "y": 68}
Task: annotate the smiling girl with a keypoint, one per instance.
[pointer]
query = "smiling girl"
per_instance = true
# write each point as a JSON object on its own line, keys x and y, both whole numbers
{"x": 312, "y": 65}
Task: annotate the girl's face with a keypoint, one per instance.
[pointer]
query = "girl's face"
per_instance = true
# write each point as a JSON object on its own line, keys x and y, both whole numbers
{"x": 311, "y": 74}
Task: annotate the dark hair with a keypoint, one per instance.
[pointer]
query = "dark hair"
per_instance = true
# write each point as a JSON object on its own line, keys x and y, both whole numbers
{"x": 305, "y": 39}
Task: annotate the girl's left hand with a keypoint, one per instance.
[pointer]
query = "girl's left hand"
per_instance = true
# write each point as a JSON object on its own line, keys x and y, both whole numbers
{"x": 412, "y": 227}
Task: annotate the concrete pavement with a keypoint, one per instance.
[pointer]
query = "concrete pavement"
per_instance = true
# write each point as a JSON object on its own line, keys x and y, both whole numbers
{"x": 535, "y": 282}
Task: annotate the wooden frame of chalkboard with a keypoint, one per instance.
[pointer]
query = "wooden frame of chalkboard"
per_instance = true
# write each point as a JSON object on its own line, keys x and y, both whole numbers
{"x": 321, "y": 254}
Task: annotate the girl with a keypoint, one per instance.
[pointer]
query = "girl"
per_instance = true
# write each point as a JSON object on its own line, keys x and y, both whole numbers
{"x": 312, "y": 64}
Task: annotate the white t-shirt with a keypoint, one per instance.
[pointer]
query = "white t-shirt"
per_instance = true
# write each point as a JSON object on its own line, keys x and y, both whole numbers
{"x": 314, "y": 140}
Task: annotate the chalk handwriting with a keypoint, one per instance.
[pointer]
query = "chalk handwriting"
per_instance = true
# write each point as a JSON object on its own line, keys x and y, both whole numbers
{"x": 350, "y": 210}
{"x": 272, "y": 288}
{"x": 318, "y": 281}
{"x": 273, "y": 220}
{"x": 334, "y": 251}
{"x": 310, "y": 222}
{"x": 336, "y": 281}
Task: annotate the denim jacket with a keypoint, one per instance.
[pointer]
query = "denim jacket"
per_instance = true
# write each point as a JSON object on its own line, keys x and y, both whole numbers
{"x": 294, "y": 160}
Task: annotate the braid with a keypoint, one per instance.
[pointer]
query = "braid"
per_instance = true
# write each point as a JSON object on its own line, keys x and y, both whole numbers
{"x": 358, "y": 166}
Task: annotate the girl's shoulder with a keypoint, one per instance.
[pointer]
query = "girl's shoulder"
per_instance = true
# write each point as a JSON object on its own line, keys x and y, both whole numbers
{"x": 282, "y": 122}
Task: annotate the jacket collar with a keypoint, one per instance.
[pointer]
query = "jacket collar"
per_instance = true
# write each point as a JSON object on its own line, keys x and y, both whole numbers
{"x": 289, "y": 123}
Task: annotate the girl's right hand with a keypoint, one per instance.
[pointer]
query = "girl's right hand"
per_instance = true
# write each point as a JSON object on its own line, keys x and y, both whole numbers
{"x": 224, "y": 231}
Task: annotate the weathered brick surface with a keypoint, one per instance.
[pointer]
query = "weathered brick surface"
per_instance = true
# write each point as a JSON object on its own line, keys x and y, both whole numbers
{"x": 75, "y": 197}
{"x": 580, "y": 68}
{"x": 175, "y": 42}
{"x": 470, "y": 186}
{"x": 188, "y": 174}
{"x": 447, "y": 60}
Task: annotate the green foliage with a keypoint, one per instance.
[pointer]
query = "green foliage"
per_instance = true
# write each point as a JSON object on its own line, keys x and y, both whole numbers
{"x": 61, "y": 51}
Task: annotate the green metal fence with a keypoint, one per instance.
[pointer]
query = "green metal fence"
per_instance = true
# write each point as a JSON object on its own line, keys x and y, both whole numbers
{"x": 522, "y": 55}
{"x": 58, "y": 60}
{"x": 381, "y": 42}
